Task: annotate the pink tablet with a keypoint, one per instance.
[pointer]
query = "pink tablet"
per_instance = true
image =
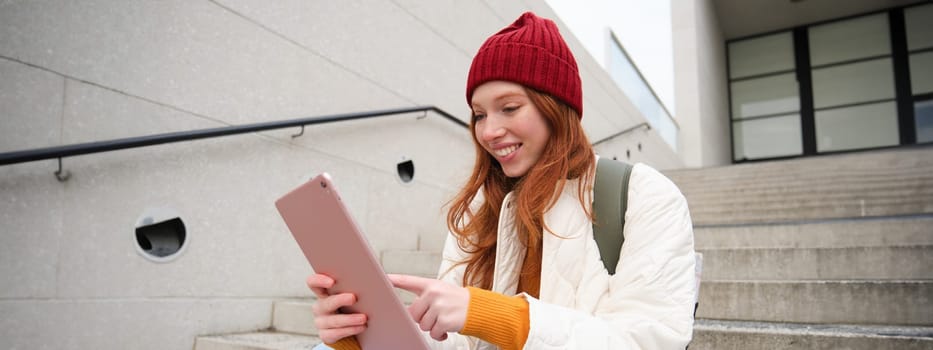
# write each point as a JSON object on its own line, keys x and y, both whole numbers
{"x": 334, "y": 245}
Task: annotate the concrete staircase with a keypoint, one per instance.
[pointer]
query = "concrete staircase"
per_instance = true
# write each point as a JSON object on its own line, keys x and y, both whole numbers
{"x": 292, "y": 329}
{"x": 871, "y": 184}
{"x": 292, "y": 323}
{"x": 832, "y": 252}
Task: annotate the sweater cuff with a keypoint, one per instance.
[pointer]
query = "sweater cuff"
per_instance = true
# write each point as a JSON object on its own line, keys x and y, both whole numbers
{"x": 496, "y": 318}
{"x": 348, "y": 343}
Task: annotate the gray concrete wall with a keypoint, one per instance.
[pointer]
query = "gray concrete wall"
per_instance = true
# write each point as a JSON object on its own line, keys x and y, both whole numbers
{"x": 700, "y": 84}
{"x": 640, "y": 145}
{"x": 71, "y": 72}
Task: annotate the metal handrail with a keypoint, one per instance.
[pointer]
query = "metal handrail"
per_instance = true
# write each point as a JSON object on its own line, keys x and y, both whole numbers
{"x": 620, "y": 133}
{"x": 149, "y": 140}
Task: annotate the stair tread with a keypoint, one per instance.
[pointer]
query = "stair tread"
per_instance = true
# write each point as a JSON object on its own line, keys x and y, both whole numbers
{"x": 262, "y": 340}
{"x": 893, "y": 246}
{"x": 845, "y": 281}
{"x": 893, "y": 182}
{"x": 912, "y": 217}
{"x": 813, "y": 329}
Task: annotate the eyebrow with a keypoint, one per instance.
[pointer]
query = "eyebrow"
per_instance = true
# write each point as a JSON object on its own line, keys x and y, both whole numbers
{"x": 504, "y": 96}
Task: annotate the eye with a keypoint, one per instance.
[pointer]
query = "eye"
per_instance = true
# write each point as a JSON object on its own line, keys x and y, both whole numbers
{"x": 477, "y": 117}
{"x": 510, "y": 109}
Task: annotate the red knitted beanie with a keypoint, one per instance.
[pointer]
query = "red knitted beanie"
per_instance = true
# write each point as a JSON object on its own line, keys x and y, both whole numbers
{"x": 529, "y": 52}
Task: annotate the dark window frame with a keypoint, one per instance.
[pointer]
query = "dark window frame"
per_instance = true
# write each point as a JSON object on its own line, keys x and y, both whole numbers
{"x": 904, "y": 98}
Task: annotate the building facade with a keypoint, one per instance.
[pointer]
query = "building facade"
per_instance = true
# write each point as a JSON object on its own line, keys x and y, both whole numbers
{"x": 801, "y": 78}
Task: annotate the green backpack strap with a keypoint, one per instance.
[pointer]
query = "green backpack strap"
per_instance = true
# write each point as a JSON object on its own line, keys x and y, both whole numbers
{"x": 611, "y": 183}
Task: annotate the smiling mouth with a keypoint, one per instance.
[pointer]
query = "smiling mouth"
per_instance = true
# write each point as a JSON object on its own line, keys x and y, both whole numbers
{"x": 502, "y": 152}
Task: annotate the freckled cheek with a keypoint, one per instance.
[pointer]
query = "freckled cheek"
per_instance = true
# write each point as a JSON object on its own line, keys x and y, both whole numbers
{"x": 477, "y": 137}
{"x": 478, "y": 132}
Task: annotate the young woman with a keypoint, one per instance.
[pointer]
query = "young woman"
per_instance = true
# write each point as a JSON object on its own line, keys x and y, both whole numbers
{"x": 520, "y": 268}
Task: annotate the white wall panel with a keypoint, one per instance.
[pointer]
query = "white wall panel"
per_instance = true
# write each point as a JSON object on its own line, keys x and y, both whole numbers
{"x": 31, "y": 105}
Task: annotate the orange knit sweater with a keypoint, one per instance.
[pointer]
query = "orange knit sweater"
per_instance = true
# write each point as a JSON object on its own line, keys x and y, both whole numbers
{"x": 493, "y": 317}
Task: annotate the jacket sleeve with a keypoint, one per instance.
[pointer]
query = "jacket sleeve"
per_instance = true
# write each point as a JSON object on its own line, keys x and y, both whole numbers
{"x": 450, "y": 271}
{"x": 649, "y": 302}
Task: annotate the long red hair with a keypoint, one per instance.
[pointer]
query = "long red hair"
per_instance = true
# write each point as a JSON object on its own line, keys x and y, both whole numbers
{"x": 568, "y": 155}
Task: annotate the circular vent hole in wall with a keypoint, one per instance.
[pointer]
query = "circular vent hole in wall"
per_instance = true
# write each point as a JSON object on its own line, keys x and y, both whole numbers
{"x": 160, "y": 235}
{"x": 406, "y": 170}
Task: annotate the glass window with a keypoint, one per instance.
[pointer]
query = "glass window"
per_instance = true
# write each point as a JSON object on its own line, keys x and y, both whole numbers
{"x": 626, "y": 76}
{"x": 923, "y": 114}
{"x": 919, "y": 22}
{"x": 852, "y": 83}
{"x": 765, "y": 96}
{"x": 921, "y": 72}
{"x": 767, "y": 137}
{"x": 852, "y": 73}
{"x": 851, "y": 39}
{"x": 767, "y": 54}
{"x": 857, "y": 127}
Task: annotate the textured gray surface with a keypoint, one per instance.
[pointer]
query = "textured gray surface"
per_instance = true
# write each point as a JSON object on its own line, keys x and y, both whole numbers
{"x": 824, "y": 301}
{"x": 31, "y": 100}
{"x": 878, "y": 263}
{"x": 877, "y": 183}
{"x": 838, "y": 233}
{"x": 257, "y": 341}
{"x": 295, "y": 317}
{"x": 137, "y": 323}
{"x": 710, "y": 334}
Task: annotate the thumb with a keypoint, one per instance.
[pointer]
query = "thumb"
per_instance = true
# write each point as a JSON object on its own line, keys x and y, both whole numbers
{"x": 412, "y": 284}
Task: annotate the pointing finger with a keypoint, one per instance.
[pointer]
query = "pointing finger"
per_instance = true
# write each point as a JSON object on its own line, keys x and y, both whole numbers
{"x": 410, "y": 283}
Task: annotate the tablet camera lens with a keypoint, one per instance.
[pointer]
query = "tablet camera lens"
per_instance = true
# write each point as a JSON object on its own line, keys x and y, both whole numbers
{"x": 323, "y": 184}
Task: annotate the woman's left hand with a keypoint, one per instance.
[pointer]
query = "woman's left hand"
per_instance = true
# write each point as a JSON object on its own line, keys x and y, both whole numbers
{"x": 439, "y": 307}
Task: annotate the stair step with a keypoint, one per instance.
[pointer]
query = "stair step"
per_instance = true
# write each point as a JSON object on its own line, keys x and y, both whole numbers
{"x": 294, "y": 316}
{"x": 726, "y": 335}
{"x": 697, "y": 181}
{"x": 856, "y": 302}
{"x": 830, "y": 186}
{"x": 873, "y": 263}
{"x": 740, "y": 178}
{"x": 731, "y": 212}
{"x": 411, "y": 262}
{"x": 881, "y": 162}
{"x": 860, "y": 232}
{"x": 716, "y": 177}
{"x": 894, "y": 182}
{"x": 256, "y": 341}
{"x": 870, "y": 203}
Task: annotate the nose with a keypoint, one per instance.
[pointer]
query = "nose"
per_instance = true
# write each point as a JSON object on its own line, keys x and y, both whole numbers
{"x": 490, "y": 129}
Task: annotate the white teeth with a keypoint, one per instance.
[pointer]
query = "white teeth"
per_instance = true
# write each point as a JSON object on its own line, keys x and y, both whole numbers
{"x": 505, "y": 151}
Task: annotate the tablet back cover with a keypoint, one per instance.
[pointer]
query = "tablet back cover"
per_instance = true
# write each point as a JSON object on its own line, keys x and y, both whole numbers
{"x": 334, "y": 245}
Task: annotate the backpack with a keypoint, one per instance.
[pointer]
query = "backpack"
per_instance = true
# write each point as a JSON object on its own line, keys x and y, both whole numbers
{"x": 611, "y": 179}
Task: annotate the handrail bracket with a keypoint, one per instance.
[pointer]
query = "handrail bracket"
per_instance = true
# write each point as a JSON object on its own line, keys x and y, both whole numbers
{"x": 302, "y": 132}
{"x": 60, "y": 174}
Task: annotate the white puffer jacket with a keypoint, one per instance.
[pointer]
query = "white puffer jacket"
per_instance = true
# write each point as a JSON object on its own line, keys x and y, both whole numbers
{"x": 647, "y": 304}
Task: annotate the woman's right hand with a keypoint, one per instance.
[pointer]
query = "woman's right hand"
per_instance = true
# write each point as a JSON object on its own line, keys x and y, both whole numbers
{"x": 331, "y": 324}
